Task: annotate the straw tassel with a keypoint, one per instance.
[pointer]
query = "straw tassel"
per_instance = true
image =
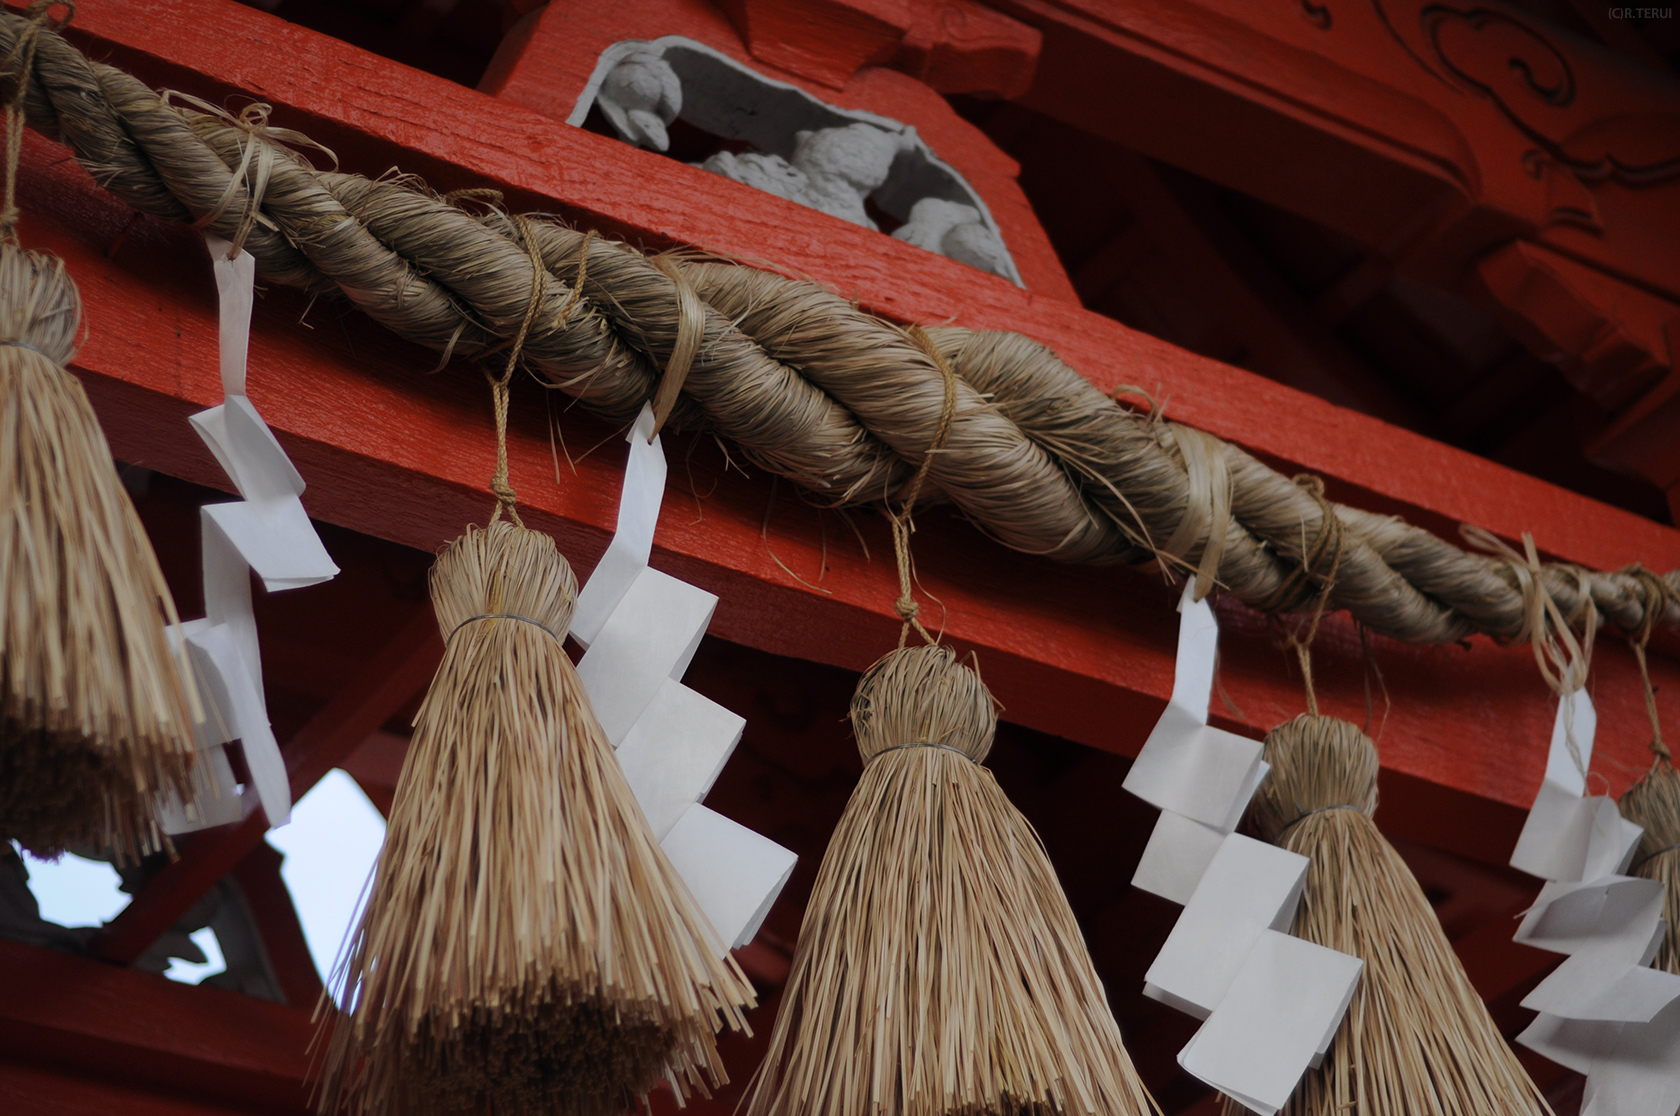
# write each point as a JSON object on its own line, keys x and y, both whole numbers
{"x": 1654, "y": 801}
{"x": 526, "y": 945}
{"x": 1417, "y": 1037}
{"x": 939, "y": 969}
{"x": 95, "y": 716}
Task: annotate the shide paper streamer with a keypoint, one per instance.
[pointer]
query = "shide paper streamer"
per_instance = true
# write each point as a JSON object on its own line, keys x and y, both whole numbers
{"x": 641, "y": 628}
{"x": 1270, "y": 1002}
{"x": 267, "y": 531}
{"x": 1604, "y": 1012}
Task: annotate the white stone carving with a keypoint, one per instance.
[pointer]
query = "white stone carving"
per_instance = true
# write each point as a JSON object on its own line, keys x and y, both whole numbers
{"x": 828, "y": 158}
{"x": 640, "y": 97}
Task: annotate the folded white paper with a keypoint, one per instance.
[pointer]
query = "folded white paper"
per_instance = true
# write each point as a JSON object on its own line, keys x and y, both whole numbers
{"x": 1250, "y": 887}
{"x": 236, "y": 281}
{"x": 1277, "y": 1018}
{"x": 632, "y": 542}
{"x": 1570, "y": 916}
{"x": 1639, "y": 1073}
{"x": 1633, "y": 1069}
{"x": 733, "y": 873}
{"x": 1180, "y": 848}
{"x": 651, "y": 636}
{"x": 1571, "y": 1043}
{"x": 675, "y": 752}
{"x": 246, "y": 717}
{"x": 1554, "y": 839}
{"x": 1601, "y": 984}
{"x": 267, "y": 531}
{"x": 1187, "y": 766}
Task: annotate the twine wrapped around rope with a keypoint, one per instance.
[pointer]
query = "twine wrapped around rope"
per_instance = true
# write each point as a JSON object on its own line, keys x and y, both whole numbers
{"x": 809, "y": 386}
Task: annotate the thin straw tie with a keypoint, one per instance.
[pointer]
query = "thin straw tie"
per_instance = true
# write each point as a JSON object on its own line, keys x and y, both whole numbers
{"x": 506, "y": 497}
{"x": 1657, "y": 593}
{"x": 903, "y": 521}
{"x": 1330, "y": 541}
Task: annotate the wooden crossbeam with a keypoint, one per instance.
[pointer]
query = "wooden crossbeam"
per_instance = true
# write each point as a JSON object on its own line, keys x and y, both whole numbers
{"x": 1083, "y": 653}
{"x": 80, "y": 1037}
{"x": 364, "y": 703}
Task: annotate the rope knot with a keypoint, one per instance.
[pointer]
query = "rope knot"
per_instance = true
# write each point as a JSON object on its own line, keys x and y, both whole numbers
{"x": 907, "y": 608}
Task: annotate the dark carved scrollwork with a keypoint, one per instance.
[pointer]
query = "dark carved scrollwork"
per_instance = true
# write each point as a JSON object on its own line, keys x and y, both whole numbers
{"x": 1522, "y": 70}
{"x": 1499, "y": 56}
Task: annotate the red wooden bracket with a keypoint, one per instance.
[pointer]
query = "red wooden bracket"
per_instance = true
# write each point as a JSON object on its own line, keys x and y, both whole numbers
{"x": 366, "y": 701}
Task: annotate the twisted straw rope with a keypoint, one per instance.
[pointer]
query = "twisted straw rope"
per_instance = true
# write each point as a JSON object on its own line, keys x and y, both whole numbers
{"x": 810, "y": 387}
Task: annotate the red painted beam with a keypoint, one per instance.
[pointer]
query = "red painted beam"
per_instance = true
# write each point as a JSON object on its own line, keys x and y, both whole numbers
{"x": 76, "y": 1032}
{"x": 1084, "y": 653}
{"x": 365, "y": 702}
{"x": 276, "y": 919}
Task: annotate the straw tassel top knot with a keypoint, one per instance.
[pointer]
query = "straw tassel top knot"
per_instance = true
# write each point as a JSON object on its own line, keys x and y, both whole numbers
{"x": 923, "y": 695}
{"x": 42, "y": 309}
{"x": 1318, "y": 764}
{"x": 503, "y": 572}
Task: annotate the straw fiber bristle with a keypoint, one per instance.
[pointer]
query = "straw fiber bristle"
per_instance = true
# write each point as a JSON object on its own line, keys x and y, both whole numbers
{"x": 95, "y": 718}
{"x": 1654, "y": 802}
{"x": 1417, "y": 1038}
{"x": 939, "y": 971}
{"x": 526, "y": 946}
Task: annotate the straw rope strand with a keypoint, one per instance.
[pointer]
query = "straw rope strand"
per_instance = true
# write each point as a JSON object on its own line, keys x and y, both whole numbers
{"x": 809, "y": 386}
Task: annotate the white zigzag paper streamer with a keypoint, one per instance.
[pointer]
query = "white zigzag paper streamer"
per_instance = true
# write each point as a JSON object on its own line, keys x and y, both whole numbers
{"x": 266, "y": 531}
{"x": 1270, "y": 1002}
{"x": 1604, "y": 1012}
{"x": 641, "y": 628}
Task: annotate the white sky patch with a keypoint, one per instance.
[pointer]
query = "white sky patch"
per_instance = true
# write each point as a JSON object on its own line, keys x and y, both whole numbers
{"x": 73, "y": 891}
{"x": 188, "y": 972}
{"x": 330, "y": 846}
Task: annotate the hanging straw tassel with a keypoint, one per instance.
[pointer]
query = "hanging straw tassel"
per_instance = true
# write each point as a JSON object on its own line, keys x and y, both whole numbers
{"x": 1417, "y": 1038}
{"x": 526, "y": 946}
{"x": 939, "y": 970}
{"x": 95, "y": 718}
{"x": 1654, "y": 801}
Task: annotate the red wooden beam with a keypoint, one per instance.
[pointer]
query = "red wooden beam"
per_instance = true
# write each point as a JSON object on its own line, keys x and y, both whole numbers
{"x": 365, "y": 702}
{"x": 276, "y": 919}
{"x": 1083, "y": 653}
{"x": 77, "y": 1036}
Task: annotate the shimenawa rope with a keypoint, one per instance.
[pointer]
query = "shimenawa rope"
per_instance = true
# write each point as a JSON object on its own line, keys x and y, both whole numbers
{"x": 811, "y": 387}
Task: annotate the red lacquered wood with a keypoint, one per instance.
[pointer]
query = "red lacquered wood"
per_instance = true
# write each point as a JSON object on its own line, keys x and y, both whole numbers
{"x": 546, "y": 62}
{"x": 276, "y": 918}
{"x": 366, "y": 701}
{"x": 955, "y": 46}
{"x": 1080, "y": 652}
{"x": 344, "y": 95}
{"x": 92, "y": 1023}
{"x": 30, "y": 1090}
